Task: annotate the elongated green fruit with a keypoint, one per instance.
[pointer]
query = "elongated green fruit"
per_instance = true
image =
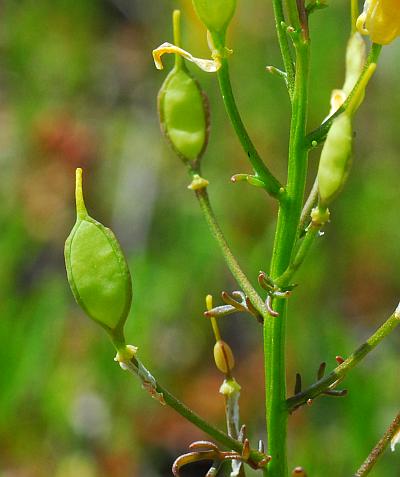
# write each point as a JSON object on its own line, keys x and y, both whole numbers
{"x": 215, "y": 14}
{"x": 335, "y": 159}
{"x": 97, "y": 270}
{"x": 183, "y": 107}
{"x": 356, "y": 54}
{"x": 183, "y": 111}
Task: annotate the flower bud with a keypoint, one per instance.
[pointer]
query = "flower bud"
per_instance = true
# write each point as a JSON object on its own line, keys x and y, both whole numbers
{"x": 215, "y": 14}
{"x": 319, "y": 216}
{"x": 380, "y": 20}
{"x": 335, "y": 159}
{"x": 223, "y": 357}
{"x": 97, "y": 270}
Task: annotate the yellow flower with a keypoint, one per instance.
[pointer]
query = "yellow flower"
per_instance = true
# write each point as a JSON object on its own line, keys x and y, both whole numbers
{"x": 380, "y": 20}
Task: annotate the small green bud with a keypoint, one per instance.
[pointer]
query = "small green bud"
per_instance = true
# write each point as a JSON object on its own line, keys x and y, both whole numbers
{"x": 97, "y": 270}
{"x": 223, "y": 357}
{"x": 335, "y": 159}
{"x": 230, "y": 387}
{"x": 320, "y": 216}
{"x": 215, "y": 14}
{"x": 198, "y": 183}
{"x": 125, "y": 354}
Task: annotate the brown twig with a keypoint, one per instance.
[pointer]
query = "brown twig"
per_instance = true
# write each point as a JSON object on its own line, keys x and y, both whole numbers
{"x": 380, "y": 447}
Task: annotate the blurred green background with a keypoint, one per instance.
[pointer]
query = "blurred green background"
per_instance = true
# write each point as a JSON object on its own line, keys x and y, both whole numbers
{"x": 78, "y": 88}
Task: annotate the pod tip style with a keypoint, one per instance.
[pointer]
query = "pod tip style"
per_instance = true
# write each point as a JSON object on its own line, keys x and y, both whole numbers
{"x": 80, "y": 203}
{"x": 176, "y": 18}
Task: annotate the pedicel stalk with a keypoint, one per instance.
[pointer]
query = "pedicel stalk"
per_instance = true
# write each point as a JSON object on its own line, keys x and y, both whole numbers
{"x": 98, "y": 273}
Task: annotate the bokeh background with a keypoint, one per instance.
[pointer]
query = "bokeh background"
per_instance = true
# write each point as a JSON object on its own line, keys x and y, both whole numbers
{"x": 78, "y": 88}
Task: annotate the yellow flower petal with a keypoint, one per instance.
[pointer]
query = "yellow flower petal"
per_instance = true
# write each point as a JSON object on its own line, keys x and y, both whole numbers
{"x": 380, "y": 20}
{"x": 209, "y": 66}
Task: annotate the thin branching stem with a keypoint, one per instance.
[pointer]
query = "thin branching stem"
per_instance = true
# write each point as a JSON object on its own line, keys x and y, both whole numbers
{"x": 233, "y": 265}
{"x": 308, "y": 206}
{"x": 341, "y": 371}
{"x": 271, "y": 183}
{"x": 173, "y": 402}
{"x": 281, "y": 30}
{"x": 380, "y": 447}
{"x": 301, "y": 254}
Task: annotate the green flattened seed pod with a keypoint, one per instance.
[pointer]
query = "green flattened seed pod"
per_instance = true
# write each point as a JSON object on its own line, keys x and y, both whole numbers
{"x": 183, "y": 111}
{"x": 335, "y": 159}
{"x": 355, "y": 60}
{"x": 215, "y": 14}
{"x": 183, "y": 108}
{"x": 97, "y": 270}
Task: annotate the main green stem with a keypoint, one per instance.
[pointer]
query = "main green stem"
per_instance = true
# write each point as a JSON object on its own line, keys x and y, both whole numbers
{"x": 285, "y": 239}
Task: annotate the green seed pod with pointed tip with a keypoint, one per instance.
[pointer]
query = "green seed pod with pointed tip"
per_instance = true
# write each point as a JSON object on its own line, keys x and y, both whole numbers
{"x": 215, "y": 14}
{"x": 335, "y": 159}
{"x": 183, "y": 112}
{"x": 183, "y": 108}
{"x": 97, "y": 270}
